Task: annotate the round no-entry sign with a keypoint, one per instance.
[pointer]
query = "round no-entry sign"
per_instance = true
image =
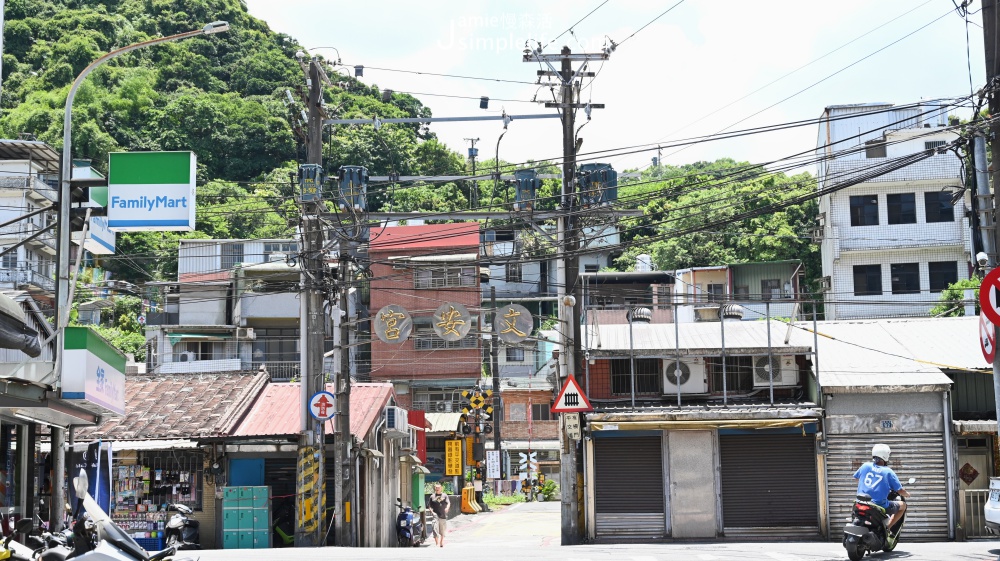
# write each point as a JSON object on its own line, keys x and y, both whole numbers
{"x": 321, "y": 406}
{"x": 988, "y": 296}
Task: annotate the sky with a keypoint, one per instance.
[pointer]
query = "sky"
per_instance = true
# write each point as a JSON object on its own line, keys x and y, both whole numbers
{"x": 702, "y": 67}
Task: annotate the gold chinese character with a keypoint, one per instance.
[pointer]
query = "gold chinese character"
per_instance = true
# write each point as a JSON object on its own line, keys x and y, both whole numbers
{"x": 510, "y": 318}
{"x": 391, "y": 318}
{"x": 449, "y": 320}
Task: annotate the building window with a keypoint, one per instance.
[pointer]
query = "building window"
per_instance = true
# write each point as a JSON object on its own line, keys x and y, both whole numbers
{"x": 647, "y": 376}
{"x": 715, "y": 292}
{"x": 515, "y": 354}
{"x": 902, "y": 208}
{"x": 770, "y": 289}
{"x": 942, "y": 274}
{"x": 875, "y": 149}
{"x": 9, "y": 260}
{"x": 513, "y": 272}
{"x": 739, "y": 374}
{"x": 232, "y": 255}
{"x": 932, "y": 144}
{"x": 864, "y": 210}
{"x": 867, "y": 280}
{"x": 285, "y": 248}
{"x": 425, "y": 339}
{"x": 442, "y": 277}
{"x": 664, "y": 295}
{"x": 905, "y": 278}
{"x": 742, "y": 292}
{"x": 541, "y": 412}
{"x": 591, "y": 268}
{"x": 938, "y": 206}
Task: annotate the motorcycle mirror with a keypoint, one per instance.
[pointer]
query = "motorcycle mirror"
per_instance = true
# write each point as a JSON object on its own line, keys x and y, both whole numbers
{"x": 912, "y": 480}
{"x": 81, "y": 483}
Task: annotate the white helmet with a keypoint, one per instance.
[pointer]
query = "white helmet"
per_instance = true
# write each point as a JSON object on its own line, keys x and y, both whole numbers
{"x": 881, "y": 452}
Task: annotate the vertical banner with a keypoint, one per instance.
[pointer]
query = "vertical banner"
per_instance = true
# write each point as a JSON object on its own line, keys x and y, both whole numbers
{"x": 95, "y": 460}
{"x": 453, "y": 457}
{"x": 493, "y": 464}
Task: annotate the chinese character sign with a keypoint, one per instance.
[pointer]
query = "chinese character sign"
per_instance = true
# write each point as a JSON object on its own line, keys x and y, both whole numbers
{"x": 513, "y": 323}
{"x": 453, "y": 457}
{"x": 392, "y": 324}
{"x": 452, "y": 322}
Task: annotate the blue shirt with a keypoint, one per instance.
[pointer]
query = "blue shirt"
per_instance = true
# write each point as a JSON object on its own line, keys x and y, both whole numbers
{"x": 877, "y": 481}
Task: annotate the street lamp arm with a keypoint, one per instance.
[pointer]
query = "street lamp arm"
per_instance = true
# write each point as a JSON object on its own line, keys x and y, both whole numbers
{"x": 67, "y": 157}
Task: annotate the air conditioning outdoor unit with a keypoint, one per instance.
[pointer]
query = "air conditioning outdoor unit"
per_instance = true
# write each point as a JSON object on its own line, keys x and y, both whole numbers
{"x": 785, "y": 371}
{"x": 443, "y": 407}
{"x": 186, "y": 356}
{"x": 395, "y": 422}
{"x": 246, "y": 333}
{"x": 691, "y": 376}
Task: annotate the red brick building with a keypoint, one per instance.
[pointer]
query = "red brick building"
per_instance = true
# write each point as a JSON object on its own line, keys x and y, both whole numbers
{"x": 421, "y": 268}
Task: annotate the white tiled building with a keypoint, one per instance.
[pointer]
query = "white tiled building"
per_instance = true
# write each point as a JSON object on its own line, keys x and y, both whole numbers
{"x": 890, "y": 244}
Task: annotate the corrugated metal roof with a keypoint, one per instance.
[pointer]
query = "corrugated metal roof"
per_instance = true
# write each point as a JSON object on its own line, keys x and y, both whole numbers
{"x": 695, "y": 338}
{"x": 425, "y": 236}
{"x": 277, "y": 411}
{"x": 443, "y": 422}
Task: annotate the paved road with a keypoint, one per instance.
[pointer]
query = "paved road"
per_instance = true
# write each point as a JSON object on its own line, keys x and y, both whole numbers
{"x": 531, "y": 532}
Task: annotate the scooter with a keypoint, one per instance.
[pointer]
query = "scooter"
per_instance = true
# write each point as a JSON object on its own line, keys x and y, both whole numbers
{"x": 868, "y": 531}
{"x": 97, "y": 538}
{"x": 182, "y": 532}
{"x": 409, "y": 528}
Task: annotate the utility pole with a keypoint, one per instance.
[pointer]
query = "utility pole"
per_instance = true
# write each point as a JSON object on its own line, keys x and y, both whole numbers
{"x": 474, "y": 192}
{"x": 495, "y": 371}
{"x": 310, "y": 495}
{"x": 346, "y": 502}
{"x": 568, "y": 265}
{"x": 990, "y": 26}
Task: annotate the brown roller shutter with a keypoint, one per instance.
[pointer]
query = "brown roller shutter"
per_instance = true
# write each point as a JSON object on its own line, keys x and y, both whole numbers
{"x": 768, "y": 480}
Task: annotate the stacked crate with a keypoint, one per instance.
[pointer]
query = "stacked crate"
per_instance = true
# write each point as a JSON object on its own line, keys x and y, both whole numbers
{"x": 246, "y": 517}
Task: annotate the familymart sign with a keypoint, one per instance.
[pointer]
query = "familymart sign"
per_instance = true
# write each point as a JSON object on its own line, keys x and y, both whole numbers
{"x": 151, "y": 191}
{"x": 93, "y": 372}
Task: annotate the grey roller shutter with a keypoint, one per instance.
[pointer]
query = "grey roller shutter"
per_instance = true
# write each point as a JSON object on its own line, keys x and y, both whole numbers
{"x": 769, "y": 481}
{"x": 628, "y": 487}
{"x": 918, "y": 455}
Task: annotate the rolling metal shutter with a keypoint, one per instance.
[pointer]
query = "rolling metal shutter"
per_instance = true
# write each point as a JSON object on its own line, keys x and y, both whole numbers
{"x": 628, "y": 487}
{"x": 769, "y": 485}
{"x": 919, "y": 455}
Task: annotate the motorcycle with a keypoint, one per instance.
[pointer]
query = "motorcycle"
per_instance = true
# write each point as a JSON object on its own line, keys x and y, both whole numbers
{"x": 182, "y": 532}
{"x": 868, "y": 530}
{"x": 97, "y": 538}
{"x": 409, "y": 528}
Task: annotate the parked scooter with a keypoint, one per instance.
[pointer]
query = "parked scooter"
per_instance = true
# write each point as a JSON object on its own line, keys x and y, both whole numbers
{"x": 409, "y": 528}
{"x": 182, "y": 532}
{"x": 869, "y": 529}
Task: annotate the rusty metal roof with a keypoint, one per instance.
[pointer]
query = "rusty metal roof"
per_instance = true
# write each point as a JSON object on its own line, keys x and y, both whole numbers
{"x": 180, "y": 406}
{"x": 278, "y": 411}
{"x": 425, "y": 236}
{"x": 34, "y": 150}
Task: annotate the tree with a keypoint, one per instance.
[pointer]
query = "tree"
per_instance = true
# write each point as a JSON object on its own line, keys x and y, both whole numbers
{"x": 952, "y": 301}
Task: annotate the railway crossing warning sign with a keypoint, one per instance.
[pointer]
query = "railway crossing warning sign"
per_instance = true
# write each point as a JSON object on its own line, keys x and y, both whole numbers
{"x": 571, "y": 398}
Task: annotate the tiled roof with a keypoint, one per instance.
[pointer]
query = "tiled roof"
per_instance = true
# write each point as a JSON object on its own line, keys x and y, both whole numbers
{"x": 425, "y": 236}
{"x": 180, "y": 406}
{"x": 277, "y": 412}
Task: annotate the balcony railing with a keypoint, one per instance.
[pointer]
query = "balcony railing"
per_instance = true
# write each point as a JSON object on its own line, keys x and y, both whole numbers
{"x": 32, "y": 183}
{"x": 281, "y": 371}
{"x": 21, "y": 278}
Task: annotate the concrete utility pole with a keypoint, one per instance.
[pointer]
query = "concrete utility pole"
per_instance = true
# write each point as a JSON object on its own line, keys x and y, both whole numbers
{"x": 990, "y": 26}
{"x": 568, "y": 264}
{"x": 310, "y": 496}
{"x": 474, "y": 192}
{"x": 495, "y": 371}
{"x": 346, "y": 502}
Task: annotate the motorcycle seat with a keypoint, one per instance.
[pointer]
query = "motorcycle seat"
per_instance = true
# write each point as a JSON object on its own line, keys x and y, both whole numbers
{"x": 865, "y": 497}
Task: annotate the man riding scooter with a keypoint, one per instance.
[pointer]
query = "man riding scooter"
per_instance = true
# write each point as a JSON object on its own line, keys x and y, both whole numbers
{"x": 876, "y": 479}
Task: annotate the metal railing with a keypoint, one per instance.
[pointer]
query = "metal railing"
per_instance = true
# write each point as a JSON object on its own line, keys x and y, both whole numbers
{"x": 21, "y": 277}
{"x": 972, "y": 503}
{"x": 281, "y": 371}
{"x": 29, "y": 182}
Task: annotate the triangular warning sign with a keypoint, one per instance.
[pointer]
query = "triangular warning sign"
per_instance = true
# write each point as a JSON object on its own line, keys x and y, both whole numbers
{"x": 571, "y": 398}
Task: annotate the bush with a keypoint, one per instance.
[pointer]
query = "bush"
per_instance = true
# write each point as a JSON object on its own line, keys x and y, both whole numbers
{"x": 494, "y": 500}
{"x": 549, "y": 490}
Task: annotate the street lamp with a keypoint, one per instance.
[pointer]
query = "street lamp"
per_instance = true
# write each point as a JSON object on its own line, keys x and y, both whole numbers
{"x": 63, "y": 287}
{"x": 641, "y": 315}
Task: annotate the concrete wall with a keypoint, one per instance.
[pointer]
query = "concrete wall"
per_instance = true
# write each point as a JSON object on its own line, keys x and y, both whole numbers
{"x": 520, "y": 402}
{"x": 202, "y": 305}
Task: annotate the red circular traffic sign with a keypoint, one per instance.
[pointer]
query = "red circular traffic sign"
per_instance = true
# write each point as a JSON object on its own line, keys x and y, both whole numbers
{"x": 988, "y": 300}
{"x": 987, "y": 338}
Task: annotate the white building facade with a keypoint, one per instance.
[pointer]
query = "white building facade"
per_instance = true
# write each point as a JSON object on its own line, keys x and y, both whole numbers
{"x": 891, "y": 243}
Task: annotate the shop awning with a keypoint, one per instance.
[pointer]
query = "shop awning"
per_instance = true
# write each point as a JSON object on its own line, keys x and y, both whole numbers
{"x": 141, "y": 445}
{"x": 177, "y": 337}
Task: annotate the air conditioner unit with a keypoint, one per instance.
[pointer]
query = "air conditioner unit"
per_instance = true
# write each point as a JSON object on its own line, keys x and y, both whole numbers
{"x": 173, "y": 289}
{"x": 691, "y": 376}
{"x": 395, "y": 422}
{"x": 186, "y": 356}
{"x": 785, "y": 371}
{"x": 246, "y": 333}
{"x": 443, "y": 407}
